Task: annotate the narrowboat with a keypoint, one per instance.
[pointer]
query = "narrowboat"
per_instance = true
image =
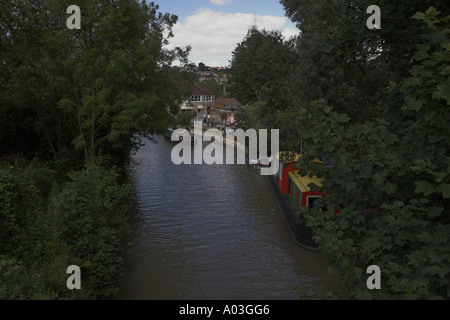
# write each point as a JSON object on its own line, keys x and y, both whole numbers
{"x": 292, "y": 192}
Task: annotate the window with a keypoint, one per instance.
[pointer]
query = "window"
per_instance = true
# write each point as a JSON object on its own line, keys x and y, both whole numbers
{"x": 196, "y": 98}
{"x": 310, "y": 202}
{"x": 207, "y": 98}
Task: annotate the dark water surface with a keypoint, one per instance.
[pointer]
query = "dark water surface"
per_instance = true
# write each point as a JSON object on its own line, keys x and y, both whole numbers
{"x": 211, "y": 232}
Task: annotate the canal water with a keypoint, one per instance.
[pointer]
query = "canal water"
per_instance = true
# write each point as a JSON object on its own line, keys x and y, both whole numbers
{"x": 205, "y": 232}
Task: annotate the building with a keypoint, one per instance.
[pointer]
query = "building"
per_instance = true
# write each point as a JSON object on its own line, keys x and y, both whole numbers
{"x": 227, "y": 104}
{"x": 201, "y": 100}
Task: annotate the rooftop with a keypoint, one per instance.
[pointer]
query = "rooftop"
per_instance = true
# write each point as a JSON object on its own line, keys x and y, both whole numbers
{"x": 303, "y": 182}
{"x": 226, "y": 101}
{"x": 198, "y": 89}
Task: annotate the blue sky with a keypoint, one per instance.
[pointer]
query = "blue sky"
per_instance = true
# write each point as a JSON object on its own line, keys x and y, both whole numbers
{"x": 213, "y": 28}
{"x": 184, "y": 8}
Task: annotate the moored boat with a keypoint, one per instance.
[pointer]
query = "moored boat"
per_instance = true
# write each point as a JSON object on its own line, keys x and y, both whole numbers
{"x": 293, "y": 192}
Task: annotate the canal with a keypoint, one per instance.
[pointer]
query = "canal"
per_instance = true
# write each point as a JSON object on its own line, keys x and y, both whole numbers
{"x": 211, "y": 232}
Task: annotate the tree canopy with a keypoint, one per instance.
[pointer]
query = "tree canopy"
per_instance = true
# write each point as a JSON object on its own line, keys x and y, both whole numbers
{"x": 374, "y": 107}
{"x": 73, "y": 104}
{"x": 86, "y": 91}
{"x": 261, "y": 75}
{"x": 345, "y": 63}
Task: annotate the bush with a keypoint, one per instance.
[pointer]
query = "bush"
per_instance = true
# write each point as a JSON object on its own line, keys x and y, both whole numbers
{"x": 185, "y": 118}
{"x": 45, "y": 226}
{"x": 90, "y": 213}
{"x": 27, "y": 238}
{"x": 391, "y": 175}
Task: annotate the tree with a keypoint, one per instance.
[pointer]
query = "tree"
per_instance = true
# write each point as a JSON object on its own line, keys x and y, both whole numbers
{"x": 203, "y": 67}
{"x": 76, "y": 101}
{"x": 345, "y": 63}
{"x": 260, "y": 65}
{"x": 390, "y": 178}
{"x": 89, "y": 91}
{"x": 214, "y": 86}
{"x": 261, "y": 75}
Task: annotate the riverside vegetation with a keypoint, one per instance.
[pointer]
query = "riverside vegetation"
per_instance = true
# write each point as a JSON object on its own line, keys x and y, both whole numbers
{"x": 72, "y": 106}
{"x": 373, "y": 105}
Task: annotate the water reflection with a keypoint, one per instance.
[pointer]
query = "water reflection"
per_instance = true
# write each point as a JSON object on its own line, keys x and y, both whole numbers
{"x": 211, "y": 232}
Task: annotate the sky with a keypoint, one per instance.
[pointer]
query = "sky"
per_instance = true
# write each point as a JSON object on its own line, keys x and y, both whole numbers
{"x": 213, "y": 28}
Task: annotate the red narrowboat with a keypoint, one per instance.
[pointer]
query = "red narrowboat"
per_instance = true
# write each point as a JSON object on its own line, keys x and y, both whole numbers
{"x": 293, "y": 192}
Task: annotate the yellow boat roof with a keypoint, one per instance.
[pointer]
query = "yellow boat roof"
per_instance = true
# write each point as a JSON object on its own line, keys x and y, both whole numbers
{"x": 297, "y": 156}
{"x": 302, "y": 182}
{"x": 290, "y": 154}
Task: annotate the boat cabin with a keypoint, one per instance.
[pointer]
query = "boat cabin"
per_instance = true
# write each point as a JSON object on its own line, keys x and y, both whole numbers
{"x": 298, "y": 191}
{"x": 294, "y": 186}
{"x": 286, "y": 166}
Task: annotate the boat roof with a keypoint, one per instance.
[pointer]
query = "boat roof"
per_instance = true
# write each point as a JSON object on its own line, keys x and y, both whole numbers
{"x": 302, "y": 182}
{"x": 289, "y": 154}
{"x": 296, "y": 156}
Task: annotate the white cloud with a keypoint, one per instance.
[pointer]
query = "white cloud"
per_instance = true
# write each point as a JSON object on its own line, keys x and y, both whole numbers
{"x": 214, "y": 35}
{"x": 288, "y": 33}
{"x": 220, "y": 2}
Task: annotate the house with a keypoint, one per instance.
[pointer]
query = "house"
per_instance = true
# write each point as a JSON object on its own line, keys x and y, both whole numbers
{"x": 201, "y": 100}
{"x": 227, "y": 103}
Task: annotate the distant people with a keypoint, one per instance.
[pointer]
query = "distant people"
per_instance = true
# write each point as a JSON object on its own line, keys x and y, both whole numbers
{"x": 204, "y": 117}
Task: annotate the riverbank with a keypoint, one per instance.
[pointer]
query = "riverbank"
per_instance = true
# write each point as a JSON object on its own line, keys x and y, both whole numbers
{"x": 49, "y": 222}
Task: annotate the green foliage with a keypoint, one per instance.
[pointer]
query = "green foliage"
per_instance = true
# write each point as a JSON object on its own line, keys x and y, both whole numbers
{"x": 70, "y": 98}
{"x": 17, "y": 282}
{"x": 346, "y": 64}
{"x": 89, "y": 91}
{"x": 184, "y": 118}
{"x": 91, "y": 212}
{"x": 28, "y": 239}
{"x": 261, "y": 68}
{"x": 214, "y": 86}
{"x": 23, "y": 192}
{"x": 262, "y": 73}
{"x": 84, "y": 223}
{"x": 390, "y": 177}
